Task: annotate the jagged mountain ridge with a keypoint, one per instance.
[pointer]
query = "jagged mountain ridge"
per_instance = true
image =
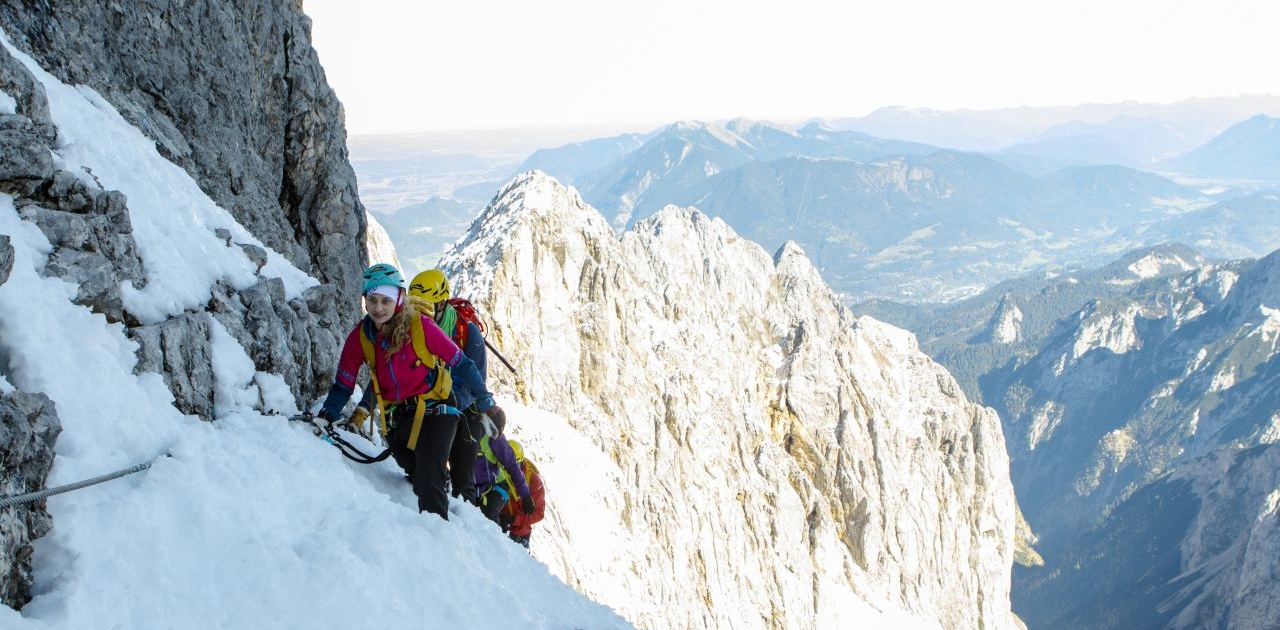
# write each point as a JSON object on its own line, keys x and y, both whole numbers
{"x": 1176, "y": 351}
{"x": 1167, "y": 362}
{"x": 822, "y": 464}
{"x": 1011, "y": 320}
{"x": 1218, "y": 512}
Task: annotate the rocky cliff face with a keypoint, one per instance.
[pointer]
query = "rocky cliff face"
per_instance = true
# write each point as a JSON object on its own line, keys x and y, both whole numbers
{"x": 381, "y": 249}
{"x": 1194, "y": 549}
{"x": 233, "y": 94}
{"x": 1140, "y": 434}
{"x": 778, "y": 463}
{"x": 28, "y": 429}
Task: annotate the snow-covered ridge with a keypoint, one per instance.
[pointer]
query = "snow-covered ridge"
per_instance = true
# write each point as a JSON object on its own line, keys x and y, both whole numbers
{"x": 769, "y": 447}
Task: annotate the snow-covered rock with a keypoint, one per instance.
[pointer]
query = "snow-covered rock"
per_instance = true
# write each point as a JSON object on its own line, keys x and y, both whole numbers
{"x": 778, "y": 463}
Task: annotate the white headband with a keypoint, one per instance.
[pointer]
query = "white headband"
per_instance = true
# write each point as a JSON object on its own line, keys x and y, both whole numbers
{"x": 387, "y": 290}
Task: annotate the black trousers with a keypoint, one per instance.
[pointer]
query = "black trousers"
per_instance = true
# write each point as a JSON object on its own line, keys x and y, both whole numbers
{"x": 445, "y": 454}
{"x": 466, "y": 445}
{"x": 491, "y": 504}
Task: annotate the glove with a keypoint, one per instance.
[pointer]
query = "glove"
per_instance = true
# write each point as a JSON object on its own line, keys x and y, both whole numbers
{"x": 498, "y": 416}
{"x": 358, "y": 418}
{"x": 526, "y": 505}
{"x": 322, "y": 423}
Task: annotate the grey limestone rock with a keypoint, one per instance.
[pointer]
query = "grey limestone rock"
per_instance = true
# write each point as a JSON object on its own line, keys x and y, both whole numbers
{"x": 32, "y": 104}
{"x": 178, "y": 348}
{"x": 29, "y": 426}
{"x": 24, "y": 156}
{"x": 6, "y": 258}
{"x": 232, "y": 93}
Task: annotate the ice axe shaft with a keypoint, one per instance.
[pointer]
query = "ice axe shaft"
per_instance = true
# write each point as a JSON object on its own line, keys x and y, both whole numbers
{"x": 499, "y": 355}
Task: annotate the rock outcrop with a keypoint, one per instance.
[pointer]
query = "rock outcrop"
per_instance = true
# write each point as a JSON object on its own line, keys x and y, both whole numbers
{"x": 28, "y": 428}
{"x": 234, "y": 95}
{"x": 778, "y": 463}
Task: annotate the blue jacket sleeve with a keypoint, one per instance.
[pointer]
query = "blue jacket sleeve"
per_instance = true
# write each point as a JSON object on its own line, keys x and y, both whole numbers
{"x": 336, "y": 400}
{"x": 475, "y": 350}
{"x": 366, "y": 400}
{"x": 468, "y": 384}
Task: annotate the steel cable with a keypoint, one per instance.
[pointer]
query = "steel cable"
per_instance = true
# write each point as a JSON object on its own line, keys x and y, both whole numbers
{"x": 32, "y": 497}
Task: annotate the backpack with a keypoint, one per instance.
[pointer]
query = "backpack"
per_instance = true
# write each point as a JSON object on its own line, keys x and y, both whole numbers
{"x": 529, "y": 469}
{"x": 503, "y": 477}
{"x": 503, "y": 487}
{"x": 466, "y": 314}
{"x": 455, "y": 319}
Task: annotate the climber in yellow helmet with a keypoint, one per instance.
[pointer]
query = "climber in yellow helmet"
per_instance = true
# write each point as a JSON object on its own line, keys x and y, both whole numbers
{"x": 430, "y": 293}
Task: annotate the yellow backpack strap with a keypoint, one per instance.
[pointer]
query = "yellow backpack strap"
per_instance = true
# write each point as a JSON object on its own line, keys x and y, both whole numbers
{"x": 366, "y": 344}
{"x": 417, "y": 422}
{"x": 443, "y": 386}
{"x": 528, "y": 469}
{"x": 486, "y": 447}
{"x": 503, "y": 478}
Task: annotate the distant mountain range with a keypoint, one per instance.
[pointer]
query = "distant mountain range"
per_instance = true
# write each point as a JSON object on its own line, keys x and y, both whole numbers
{"x": 1136, "y": 143}
{"x": 1248, "y": 150}
{"x": 684, "y": 155}
{"x": 1195, "y": 121}
{"x": 571, "y": 161}
{"x": 913, "y": 221}
{"x": 910, "y": 221}
{"x": 423, "y": 231}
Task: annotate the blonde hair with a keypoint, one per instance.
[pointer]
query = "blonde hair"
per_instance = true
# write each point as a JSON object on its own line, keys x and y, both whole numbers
{"x": 397, "y": 330}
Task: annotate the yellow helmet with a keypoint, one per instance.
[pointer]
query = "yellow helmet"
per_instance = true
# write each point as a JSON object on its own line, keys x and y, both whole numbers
{"x": 517, "y": 449}
{"x": 430, "y": 285}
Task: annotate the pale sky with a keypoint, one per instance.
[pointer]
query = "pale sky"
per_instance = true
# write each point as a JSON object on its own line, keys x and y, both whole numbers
{"x": 415, "y": 65}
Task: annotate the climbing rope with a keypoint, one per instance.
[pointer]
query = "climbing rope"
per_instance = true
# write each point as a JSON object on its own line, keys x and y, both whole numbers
{"x": 348, "y": 450}
{"x": 32, "y": 497}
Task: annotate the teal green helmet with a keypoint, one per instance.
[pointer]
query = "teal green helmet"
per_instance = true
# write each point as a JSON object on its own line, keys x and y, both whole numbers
{"x": 379, "y": 275}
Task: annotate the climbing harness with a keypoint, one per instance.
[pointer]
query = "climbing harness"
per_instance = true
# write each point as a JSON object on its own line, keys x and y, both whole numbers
{"x": 427, "y": 408}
